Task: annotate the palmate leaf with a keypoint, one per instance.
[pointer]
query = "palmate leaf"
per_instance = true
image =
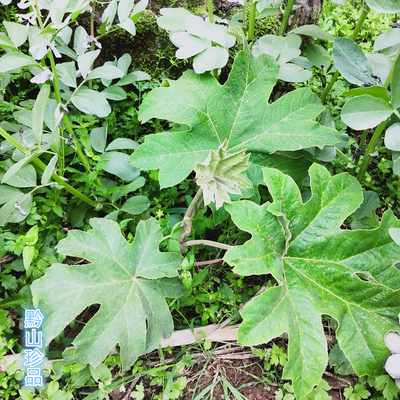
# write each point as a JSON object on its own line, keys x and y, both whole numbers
{"x": 237, "y": 112}
{"x": 320, "y": 269}
{"x": 128, "y": 281}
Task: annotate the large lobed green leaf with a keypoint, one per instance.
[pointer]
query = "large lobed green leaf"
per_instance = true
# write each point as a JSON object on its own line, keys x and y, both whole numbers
{"x": 128, "y": 281}
{"x": 238, "y": 112}
{"x": 320, "y": 269}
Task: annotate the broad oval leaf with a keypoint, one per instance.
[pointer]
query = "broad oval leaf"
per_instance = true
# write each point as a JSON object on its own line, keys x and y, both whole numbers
{"x": 128, "y": 281}
{"x": 139, "y": 7}
{"x": 21, "y": 174}
{"x": 351, "y": 62}
{"x": 122, "y": 144}
{"x": 38, "y": 113}
{"x": 16, "y": 210}
{"x": 374, "y": 91}
{"x": 124, "y": 62}
{"x": 320, "y": 269}
{"x": 49, "y": 170}
{"x": 124, "y": 9}
{"x": 136, "y": 205}
{"x": 380, "y": 64}
{"x": 189, "y": 45}
{"x": 210, "y": 59}
{"x": 114, "y": 92}
{"x": 18, "y": 33}
{"x": 317, "y": 56}
{"x": 118, "y": 164}
{"x": 80, "y": 40}
{"x": 67, "y": 73}
{"x": 387, "y": 39}
{"x": 395, "y": 234}
{"x": 237, "y": 112}
{"x": 294, "y": 73}
{"x": 105, "y": 71}
{"x": 85, "y": 61}
{"x": 173, "y": 19}
{"x": 198, "y": 27}
{"x": 98, "y": 138}
{"x": 120, "y": 191}
{"x": 365, "y": 111}
{"x": 8, "y": 193}
{"x": 129, "y": 26}
{"x": 392, "y": 137}
{"x": 314, "y": 31}
{"x": 395, "y": 84}
{"x": 91, "y": 102}
{"x": 14, "y": 60}
{"x": 133, "y": 77}
{"x": 109, "y": 14}
{"x": 384, "y": 6}
{"x": 269, "y": 44}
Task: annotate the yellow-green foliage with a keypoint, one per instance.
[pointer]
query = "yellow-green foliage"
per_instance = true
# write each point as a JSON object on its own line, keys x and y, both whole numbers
{"x": 155, "y": 52}
{"x": 150, "y": 48}
{"x": 266, "y": 26}
{"x": 340, "y": 21}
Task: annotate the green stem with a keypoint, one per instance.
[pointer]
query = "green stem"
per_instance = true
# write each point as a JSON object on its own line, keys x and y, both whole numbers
{"x": 42, "y": 166}
{"x": 377, "y": 134}
{"x": 360, "y": 23}
{"x": 57, "y": 93}
{"x": 353, "y": 36}
{"x": 390, "y": 74}
{"x": 67, "y": 122}
{"x": 363, "y": 139}
{"x": 330, "y": 85}
{"x": 286, "y": 16}
{"x": 194, "y": 206}
{"x": 244, "y": 11}
{"x": 92, "y": 34}
{"x": 362, "y": 148}
{"x": 252, "y": 21}
{"x": 108, "y": 32}
{"x": 210, "y": 9}
{"x": 370, "y": 148}
{"x": 6, "y": 103}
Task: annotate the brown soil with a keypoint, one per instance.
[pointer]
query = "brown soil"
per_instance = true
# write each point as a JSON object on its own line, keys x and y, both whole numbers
{"x": 233, "y": 364}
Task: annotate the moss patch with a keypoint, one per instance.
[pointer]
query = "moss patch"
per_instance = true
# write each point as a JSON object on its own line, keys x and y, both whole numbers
{"x": 151, "y": 49}
{"x": 266, "y": 26}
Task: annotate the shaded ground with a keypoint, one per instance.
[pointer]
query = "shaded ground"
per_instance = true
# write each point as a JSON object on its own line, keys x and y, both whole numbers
{"x": 212, "y": 376}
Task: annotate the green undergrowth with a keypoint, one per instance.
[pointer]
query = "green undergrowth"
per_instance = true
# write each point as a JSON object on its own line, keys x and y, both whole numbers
{"x": 163, "y": 177}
